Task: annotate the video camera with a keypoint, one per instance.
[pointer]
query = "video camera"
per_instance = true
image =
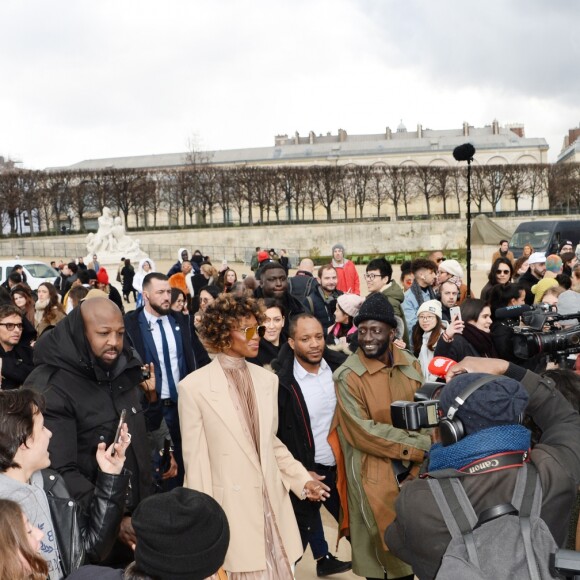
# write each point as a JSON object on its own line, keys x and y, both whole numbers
{"x": 542, "y": 335}
{"x": 421, "y": 413}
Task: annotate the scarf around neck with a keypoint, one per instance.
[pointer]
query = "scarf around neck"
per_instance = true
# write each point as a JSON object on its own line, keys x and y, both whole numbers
{"x": 419, "y": 292}
{"x": 479, "y": 445}
{"x": 481, "y": 341}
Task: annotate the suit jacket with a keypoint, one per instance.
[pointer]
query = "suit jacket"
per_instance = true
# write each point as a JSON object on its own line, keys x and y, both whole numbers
{"x": 195, "y": 355}
{"x": 222, "y": 462}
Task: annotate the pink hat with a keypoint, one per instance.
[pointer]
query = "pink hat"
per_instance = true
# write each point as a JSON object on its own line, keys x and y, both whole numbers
{"x": 350, "y": 303}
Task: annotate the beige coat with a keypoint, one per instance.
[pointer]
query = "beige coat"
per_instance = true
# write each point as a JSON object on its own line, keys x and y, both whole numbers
{"x": 221, "y": 461}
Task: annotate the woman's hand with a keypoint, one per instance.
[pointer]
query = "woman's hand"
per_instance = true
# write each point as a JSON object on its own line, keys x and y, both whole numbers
{"x": 113, "y": 464}
{"x": 455, "y": 327}
{"x": 315, "y": 490}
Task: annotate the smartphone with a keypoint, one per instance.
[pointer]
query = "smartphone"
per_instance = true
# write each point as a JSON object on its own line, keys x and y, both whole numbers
{"x": 455, "y": 313}
{"x": 118, "y": 433}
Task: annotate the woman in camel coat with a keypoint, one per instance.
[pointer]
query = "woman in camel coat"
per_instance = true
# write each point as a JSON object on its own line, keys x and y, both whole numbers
{"x": 229, "y": 417}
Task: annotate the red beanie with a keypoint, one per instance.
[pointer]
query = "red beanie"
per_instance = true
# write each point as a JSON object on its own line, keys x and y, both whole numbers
{"x": 102, "y": 276}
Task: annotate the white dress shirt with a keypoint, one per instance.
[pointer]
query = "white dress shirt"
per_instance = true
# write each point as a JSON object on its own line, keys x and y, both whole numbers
{"x": 320, "y": 397}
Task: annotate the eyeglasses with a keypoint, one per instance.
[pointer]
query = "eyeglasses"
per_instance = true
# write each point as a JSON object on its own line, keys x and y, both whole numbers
{"x": 10, "y": 326}
{"x": 427, "y": 317}
{"x": 250, "y": 331}
{"x": 503, "y": 272}
{"x": 371, "y": 277}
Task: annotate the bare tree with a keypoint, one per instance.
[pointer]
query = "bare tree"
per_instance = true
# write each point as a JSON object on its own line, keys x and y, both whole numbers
{"x": 537, "y": 182}
{"x": 424, "y": 178}
{"x": 516, "y": 182}
{"x": 326, "y": 181}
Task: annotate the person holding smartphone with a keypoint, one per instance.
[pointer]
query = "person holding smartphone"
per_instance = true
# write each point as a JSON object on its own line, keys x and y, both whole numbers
{"x": 72, "y": 534}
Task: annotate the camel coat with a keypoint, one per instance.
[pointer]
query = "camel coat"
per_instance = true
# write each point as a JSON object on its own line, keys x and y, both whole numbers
{"x": 221, "y": 461}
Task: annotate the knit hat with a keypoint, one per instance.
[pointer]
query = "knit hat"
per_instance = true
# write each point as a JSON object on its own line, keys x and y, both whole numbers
{"x": 452, "y": 267}
{"x": 431, "y": 306}
{"x": 338, "y": 247}
{"x": 350, "y": 303}
{"x": 539, "y": 289}
{"x": 566, "y": 243}
{"x": 376, "y": 307}
{"x": 95, "y": 293}
{"x": 263, "y": 255}
{"x": 181, "y": 534}
{"x": 554, "y": 263}
{"x": 499, "y": 402}
{"x": 102, "y": 276}
{"x": 537, "y": 258}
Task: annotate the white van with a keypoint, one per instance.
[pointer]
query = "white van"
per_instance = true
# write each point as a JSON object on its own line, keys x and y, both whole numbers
{"x": 36, "y": 272}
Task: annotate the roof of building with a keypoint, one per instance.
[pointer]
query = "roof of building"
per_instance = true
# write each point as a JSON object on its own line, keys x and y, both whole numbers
{"x": 571, "y": 153}
{"x": 296, "y": 149}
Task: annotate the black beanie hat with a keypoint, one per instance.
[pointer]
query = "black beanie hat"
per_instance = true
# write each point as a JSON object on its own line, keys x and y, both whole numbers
{"x": 376, "y": 307}
{"x": 181, "y": 534}
{"x": 499, "y": 402}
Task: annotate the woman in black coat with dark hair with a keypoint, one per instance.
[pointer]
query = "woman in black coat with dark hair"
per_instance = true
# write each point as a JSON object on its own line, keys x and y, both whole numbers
{"x": 502, "y": 272}
{"x": 474, "y": 339}
{"x": 127, "y": 275}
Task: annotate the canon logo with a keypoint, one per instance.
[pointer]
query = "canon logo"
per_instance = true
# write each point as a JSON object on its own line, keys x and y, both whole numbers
{"x": 484, "y": 465}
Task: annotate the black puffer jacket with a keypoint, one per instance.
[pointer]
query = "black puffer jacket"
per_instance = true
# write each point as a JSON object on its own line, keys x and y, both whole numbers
{"x": 294, "y": 429}
{"x": 83, "y": 405}
{"x": 85, "y": 535}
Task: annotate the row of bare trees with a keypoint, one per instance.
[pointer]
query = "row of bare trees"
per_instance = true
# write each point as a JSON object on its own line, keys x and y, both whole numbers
{"x": 202, "y": 193}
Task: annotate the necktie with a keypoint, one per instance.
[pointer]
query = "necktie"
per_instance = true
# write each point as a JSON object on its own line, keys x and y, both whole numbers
{"x": 167, "y": 361}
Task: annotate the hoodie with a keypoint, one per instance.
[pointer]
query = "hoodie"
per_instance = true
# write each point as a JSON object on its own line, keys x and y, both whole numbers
{"x": 140, "y": 274}
{"x": 177, "y": 266}
{"x": 84, "y": 401}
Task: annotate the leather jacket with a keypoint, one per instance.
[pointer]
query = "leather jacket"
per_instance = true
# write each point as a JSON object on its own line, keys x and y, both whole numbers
{"x": 80, "y": 535}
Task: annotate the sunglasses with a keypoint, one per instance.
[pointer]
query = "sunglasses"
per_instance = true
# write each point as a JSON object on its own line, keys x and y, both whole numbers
{"x": 439, "y": 260}
{"x": 10, "y": 326}
{"x": 251, "y": 331}
{"x": 503, "y": 272}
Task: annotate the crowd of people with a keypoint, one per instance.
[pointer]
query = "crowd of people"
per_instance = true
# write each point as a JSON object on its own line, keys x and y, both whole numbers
{"x": 198, "y": 435}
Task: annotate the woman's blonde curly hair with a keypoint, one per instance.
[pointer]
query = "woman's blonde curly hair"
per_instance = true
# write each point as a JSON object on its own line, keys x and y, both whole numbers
{"x": 224, "y": 315}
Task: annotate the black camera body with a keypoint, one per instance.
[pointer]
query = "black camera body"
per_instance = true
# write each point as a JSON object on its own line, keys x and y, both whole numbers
{"x": 542, "y": 335}
{"x": 422, "y": 413}
{"x": 415, "y": 415}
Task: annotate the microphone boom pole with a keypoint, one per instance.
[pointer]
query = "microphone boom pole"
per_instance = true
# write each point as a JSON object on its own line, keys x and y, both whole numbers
{"x": 465, "y": 153}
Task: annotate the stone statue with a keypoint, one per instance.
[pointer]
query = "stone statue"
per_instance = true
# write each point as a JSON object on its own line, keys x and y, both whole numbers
{"x": 111, "y": 241}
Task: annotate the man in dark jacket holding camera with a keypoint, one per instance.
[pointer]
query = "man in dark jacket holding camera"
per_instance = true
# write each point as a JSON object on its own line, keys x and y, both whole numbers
{"x": 490, "y": 417}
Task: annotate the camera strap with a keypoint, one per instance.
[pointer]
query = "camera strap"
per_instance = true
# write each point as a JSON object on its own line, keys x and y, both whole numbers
{"x": 488, "y": 464}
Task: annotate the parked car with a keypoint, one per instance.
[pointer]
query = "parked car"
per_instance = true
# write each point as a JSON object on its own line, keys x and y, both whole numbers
{"x": 36, "y": 272}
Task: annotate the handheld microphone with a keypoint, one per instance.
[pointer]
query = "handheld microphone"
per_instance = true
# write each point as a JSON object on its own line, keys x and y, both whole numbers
{"x": 439, "y": 365}
{"x": 464, "y": 152}
{"x": 512, "y": 311}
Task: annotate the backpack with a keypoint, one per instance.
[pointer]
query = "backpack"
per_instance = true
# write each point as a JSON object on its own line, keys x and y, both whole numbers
{"x": 301, "y": 290}
{"x": 508, "y": 541}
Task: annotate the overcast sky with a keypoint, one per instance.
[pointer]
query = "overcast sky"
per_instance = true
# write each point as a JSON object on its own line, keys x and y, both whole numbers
{"x": 106, "y": 78}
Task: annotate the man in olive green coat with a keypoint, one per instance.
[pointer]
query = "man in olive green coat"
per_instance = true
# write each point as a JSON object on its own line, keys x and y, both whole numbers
{"x": 369, "y": 449}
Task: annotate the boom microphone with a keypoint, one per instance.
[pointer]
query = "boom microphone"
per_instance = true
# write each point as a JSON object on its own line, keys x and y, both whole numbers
{"x": 439, "y": 365}
{"x": 512, "y": 311}
{"x": 464, "y": 152}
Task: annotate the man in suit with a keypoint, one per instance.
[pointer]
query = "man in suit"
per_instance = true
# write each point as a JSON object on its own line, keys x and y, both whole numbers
{"x": 163, "y": 337}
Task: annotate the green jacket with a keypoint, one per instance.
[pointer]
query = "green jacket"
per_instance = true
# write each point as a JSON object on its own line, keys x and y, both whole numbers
{"x": 365, "y": 390}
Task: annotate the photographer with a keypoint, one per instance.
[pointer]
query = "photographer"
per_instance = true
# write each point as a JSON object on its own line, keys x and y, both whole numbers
{"x": 490, "y": 417}
{"x": 502, "y": 329}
